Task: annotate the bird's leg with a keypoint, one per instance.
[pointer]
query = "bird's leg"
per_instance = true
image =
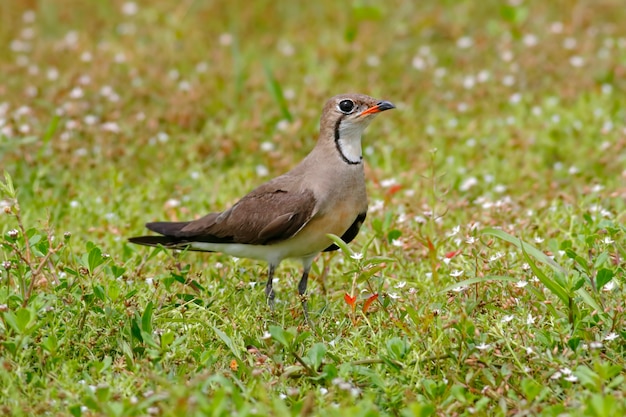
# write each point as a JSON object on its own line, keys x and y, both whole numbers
{"x": 302, "y": 291}
{"x": 269, "y": 291}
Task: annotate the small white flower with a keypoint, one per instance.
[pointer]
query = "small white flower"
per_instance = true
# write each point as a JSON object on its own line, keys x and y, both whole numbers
{"x": 608, "y": 240}
{"x": 172, "y": 202}
{"x": 130, "y": 8}
{"x": 460, "y": 289}
{"x": 225, "y": 39}
{"x": 418, "y": 63}
{"x": 538, "y": 239}
{"x": 556, "y": 375}
{"x": 202, "y": 67}
{"x": 469, "y": 82}
{"x": 470, "y": 240}
{"x": 262, "y": 171}
{"x": 371, "y": 60}
{"x": 397, "y": 243}
{"x": 357, "y": 256}
{"x": 388, "y": 182}
{"x": 530, "y": 319}
{"x": 530, "y": 40}
{"x": 571, "y": 378}
{"x": 595, "y": 345}
{"x": 496, "y": 256}
{"x": 468, "y": 183}
{"x": 521, "y": 284}
{"x": 465, "y": 42}
{"x": 400, "y": 285}
{"x": 507, "y": 318}
{"x": 569, "y": 43}
{"x": 508, "y": 80}
{"x": 456, "y": 273}
{"x": 267, "y": 146}
{"x": 106, "y": 91}
{"x": 378, "y": 205}
{"x": 76, "y": 93}
{"x": 483, "y": 346}
{"x": 483, "y": 76}
{"x": 393, "y": 295}
{"x": 110, "y": 127}
{"x": 454, "y": 231}
{"x": 419, "y": 219}
{"x": 611, "y": 336}
{"x": 577, "y": 61}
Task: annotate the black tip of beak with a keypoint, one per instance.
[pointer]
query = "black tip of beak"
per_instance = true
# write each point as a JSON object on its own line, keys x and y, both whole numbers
{"x": 385, "y": 105}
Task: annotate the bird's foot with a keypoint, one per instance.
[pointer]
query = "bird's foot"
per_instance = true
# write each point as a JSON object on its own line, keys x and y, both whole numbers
{"x": 305, "y": 308}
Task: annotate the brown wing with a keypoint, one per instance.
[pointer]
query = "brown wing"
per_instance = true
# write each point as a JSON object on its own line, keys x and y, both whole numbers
{"x": 268, "y": 214}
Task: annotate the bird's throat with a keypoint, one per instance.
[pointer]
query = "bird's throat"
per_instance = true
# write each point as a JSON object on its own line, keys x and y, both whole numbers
{"x": 348, "y": 143}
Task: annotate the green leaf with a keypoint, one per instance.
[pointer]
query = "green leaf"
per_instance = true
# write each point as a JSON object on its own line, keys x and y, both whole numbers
{"x": 416, "y": 409}
{"x": 397, "y": 348}
{"x": 50, "y": 344}
{"x": 117, "y": 271}
{"x": 277, "y": 92}
{"x": 20, "y": 320}
{"x": 280, "y": 335}
{"x": 316, "y": 355}
{"x": 476, "y": 280}
{"x": 531, "y": 250}
{"x": 588, "y": 378}
{"x": 149, "y": 340}
{"x": 603, "y": 277}
{"x": 167, "y": 339}
{"x": 601, "y": 259}
{"x": 578, "y": 259}
{"x": 99, "y": 292}
{"x": 228, "y": 341}
{"x": 95, "y": 259}
{"x": 7, "y": 185}
{"x": 146, "y": 318}
{"x": 550, "y": 284}
{"x": 531, "y": 388}
{"x": 393, "y": 235}
{"x": 342, "y": 245}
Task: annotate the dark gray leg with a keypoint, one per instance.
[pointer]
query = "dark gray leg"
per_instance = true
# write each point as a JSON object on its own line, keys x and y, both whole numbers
{"x": 302, "y": 291}
{"x": 269, "y": 291}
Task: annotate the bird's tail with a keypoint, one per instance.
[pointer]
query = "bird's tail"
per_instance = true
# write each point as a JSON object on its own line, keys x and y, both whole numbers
{"x": 170, "y": 230}
{"x": 165, "y": 241}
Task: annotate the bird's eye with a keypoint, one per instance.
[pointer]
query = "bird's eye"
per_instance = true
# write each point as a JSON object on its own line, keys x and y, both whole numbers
{"x": 346, "y": 106}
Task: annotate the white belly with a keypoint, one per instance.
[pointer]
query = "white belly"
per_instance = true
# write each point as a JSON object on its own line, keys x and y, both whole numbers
{"x": 307, "y": 243}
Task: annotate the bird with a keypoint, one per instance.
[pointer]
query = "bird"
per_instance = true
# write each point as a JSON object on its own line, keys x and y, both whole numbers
{"x": 292, "y": 215}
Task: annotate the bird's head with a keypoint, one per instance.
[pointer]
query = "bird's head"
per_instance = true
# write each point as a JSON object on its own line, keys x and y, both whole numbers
{"x": 345, "y": 117}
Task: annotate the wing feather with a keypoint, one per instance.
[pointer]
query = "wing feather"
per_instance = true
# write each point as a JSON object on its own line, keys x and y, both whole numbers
{"x": 266, "y": 215}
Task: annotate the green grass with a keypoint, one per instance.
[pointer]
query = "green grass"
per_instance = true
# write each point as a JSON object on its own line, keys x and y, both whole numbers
{"x": 491, "y": 276}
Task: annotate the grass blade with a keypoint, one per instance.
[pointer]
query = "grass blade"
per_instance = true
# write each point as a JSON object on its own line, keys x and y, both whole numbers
{"x": 477, "y": 280}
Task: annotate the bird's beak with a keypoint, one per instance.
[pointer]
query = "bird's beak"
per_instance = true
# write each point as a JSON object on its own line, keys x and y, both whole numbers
{"x": 380, "y": 106}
